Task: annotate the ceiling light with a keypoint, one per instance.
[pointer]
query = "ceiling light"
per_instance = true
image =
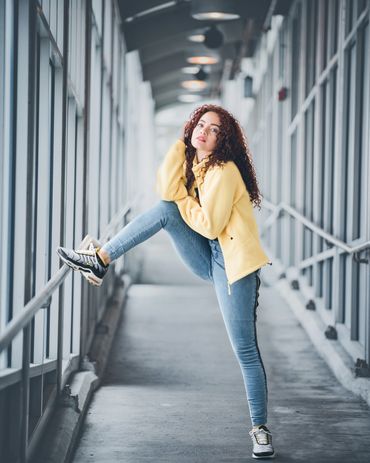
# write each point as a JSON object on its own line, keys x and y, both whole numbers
{"x": 199, "y": 38}
{"x": 201, "y": 74}
{"x": 190, "y": 69}
{"x": 214, "y": 38}
{"x": 202, "y": 59}
{"x": 195, "y": 85}
{"x": 189, "y": 98}
{"x": 214, "y": 10}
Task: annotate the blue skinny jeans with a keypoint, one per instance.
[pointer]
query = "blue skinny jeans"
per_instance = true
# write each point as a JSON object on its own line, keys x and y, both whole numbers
{"x": 204, "y": 257}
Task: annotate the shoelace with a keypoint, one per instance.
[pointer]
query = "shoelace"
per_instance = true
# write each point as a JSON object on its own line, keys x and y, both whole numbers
{"x": 262, "y": 436}
{"x": 91, "y": 251}
{"x": 90, "y": 254}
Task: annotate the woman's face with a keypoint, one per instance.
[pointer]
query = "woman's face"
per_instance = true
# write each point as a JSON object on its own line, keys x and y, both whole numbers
{"x": 204, "y": 136}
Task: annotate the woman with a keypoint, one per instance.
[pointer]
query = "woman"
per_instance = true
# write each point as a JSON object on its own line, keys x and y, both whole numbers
{"x": 207, "y": 186}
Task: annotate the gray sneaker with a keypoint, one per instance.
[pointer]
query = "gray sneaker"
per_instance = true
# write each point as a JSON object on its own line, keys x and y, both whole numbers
{"x": 262, "y": 442}
{"x": 87, "y": 261}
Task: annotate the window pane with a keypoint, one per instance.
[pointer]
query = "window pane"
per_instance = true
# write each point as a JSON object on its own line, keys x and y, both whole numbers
{"x": 296, "y": 48}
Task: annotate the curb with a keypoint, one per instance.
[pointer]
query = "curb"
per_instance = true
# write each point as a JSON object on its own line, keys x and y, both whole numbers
{"x": 58, "y": 443}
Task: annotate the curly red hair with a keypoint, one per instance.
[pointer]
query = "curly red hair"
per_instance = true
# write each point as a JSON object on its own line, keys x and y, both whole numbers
{"x": 231, "y": 145}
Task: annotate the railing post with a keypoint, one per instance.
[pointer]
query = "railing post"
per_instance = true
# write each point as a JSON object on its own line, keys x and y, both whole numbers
{"x": 25, "y": 392}
{"x": 59, "y": 371}
{"x": 62, "y": 219}
{"x": 86, "y": 147}
{"x": 26, "y": 347}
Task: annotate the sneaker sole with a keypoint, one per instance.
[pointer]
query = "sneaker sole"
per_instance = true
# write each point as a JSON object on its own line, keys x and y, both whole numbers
{"x": 89, "y": 276}
{"x": 273, "y": 455}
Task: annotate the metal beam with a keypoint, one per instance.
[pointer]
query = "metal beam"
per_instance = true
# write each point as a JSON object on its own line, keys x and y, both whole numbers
{"x": 153, "y": 51}
{"x": 130, "y": 9}
{"x": 154, "y": 28}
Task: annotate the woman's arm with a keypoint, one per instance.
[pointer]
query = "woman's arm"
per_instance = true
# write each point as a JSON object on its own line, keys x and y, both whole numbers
{"x": 170, "y": 182}
{"x": 218, "y": 193}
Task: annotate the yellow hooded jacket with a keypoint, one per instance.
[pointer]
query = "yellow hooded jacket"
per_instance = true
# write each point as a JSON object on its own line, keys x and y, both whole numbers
{"x": 225, "y": 210}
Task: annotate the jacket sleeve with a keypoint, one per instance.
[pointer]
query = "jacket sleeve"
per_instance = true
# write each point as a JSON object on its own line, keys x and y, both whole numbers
{"x": 170, "y": 181}
{"x": 212, "y": 216}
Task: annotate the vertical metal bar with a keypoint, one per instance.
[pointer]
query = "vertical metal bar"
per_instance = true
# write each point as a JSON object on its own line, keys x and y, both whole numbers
{"x": 86, "y": 107}
{"x": 50, "y": 199}
{"x": 359, "y": 85}
{"x": 12, "y": 179}
{"x": 111, "y": 120}
{"x": 354, "y": 301}
{"x": 62, "y": 219}
{"x": 317, "y": 151}
{"x": 339, "y": 284}
{"x": 25, "y": 392}
{"x": 84, "y": 299}
{"x": 101, "y": 111}
{"x": 357, "y": 163}
{"x": 366, "y": 149}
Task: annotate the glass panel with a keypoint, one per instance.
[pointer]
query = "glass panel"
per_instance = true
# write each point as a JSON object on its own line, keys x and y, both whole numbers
{"x": 308, "y": 182}
{"x": 325, "y": 33}
{"x": 311, "y": 39}
{"x": 332, "y": 114}
{"x": 334, "y": 15}
{"x": 320, "y": 170}
{"x": 293, "y": 194}
{"x": 361, "y": 128}
{"x": 350, "y": 5}
{"x": 327, "y": 289}
{"x": 296, "y": 50}
{"x": 7, "y": 163}
{"x": 361, "y": 5}
{"x": 282, "y": 53}
{"x": 349, "y": 130}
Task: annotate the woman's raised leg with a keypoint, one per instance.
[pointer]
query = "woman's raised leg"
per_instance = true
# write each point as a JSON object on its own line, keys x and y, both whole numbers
{"x": 193, "y": 248}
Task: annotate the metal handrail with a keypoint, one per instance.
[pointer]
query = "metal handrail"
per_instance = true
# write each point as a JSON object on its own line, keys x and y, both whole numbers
{"x": 41, "y": 299}
{"x": 283, "y": 207}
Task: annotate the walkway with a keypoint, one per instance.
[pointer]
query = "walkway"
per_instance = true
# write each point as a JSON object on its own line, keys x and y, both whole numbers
{"x": 173, "y": 391}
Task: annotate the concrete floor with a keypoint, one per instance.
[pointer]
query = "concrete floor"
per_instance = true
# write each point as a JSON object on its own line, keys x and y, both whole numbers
{"x": 173, "y": 391}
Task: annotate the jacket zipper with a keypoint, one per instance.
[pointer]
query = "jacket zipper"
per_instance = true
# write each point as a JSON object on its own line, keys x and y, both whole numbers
{"x": 228, "y": 284}
{"x": 228, "y": 288}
